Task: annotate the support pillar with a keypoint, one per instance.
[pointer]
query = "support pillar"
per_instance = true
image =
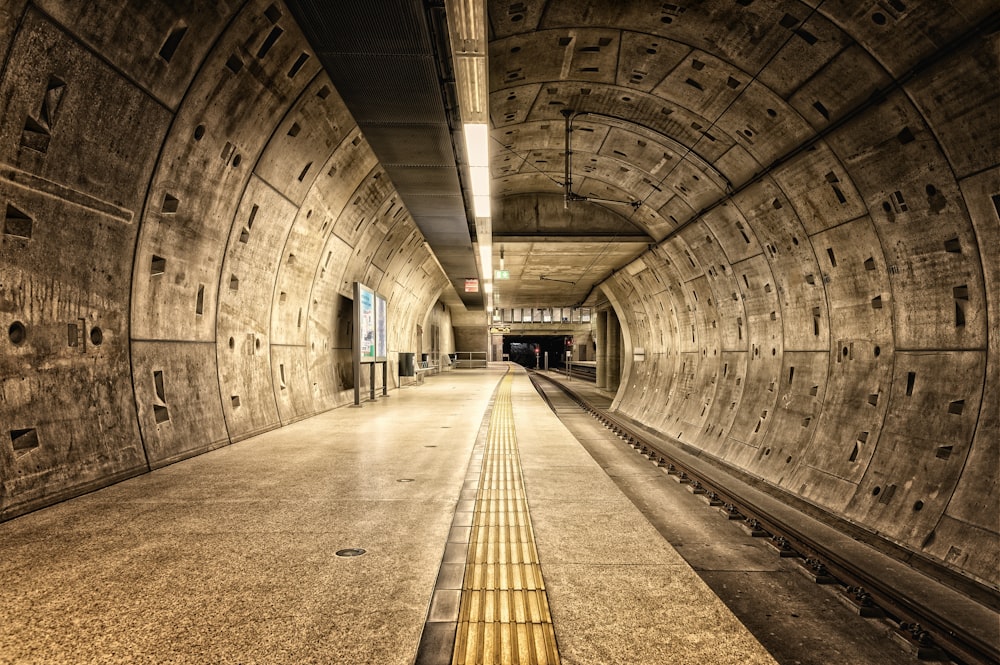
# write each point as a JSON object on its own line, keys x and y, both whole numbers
{"x": 601, "y": 334}
{"x": 614, "y": 350}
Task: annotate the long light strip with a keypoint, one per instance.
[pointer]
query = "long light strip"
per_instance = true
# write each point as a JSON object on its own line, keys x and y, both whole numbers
{"x": 469, "y": 48}
{"x": 486, "y": 261}
{"x": 477, "y": 146}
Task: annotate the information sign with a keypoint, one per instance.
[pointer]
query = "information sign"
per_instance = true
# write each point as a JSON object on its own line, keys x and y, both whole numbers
{"x": 365, "y": 303}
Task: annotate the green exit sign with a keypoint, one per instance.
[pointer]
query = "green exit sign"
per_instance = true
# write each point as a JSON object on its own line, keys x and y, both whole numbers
{"x": 501, "y": 274}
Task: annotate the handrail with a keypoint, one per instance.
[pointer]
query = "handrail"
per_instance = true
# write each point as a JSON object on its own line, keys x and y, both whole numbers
{"x": 470, "y": 359}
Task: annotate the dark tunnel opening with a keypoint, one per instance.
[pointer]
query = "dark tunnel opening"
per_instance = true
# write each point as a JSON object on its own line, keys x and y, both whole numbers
{"x": 530, "y": 350}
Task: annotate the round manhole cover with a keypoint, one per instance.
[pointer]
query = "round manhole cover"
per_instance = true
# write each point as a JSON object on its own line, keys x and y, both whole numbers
{"x": 351, "y": 551}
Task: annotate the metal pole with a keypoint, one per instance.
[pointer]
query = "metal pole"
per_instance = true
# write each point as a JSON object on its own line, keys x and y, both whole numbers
{"x": 355, "y": 344}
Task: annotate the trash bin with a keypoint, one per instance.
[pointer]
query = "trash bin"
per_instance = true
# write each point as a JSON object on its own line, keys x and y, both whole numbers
{"x": 406, "y": 367}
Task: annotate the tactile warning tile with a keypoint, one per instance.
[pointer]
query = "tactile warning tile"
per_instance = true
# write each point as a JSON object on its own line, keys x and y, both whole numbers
{"x": 504, "y": 615}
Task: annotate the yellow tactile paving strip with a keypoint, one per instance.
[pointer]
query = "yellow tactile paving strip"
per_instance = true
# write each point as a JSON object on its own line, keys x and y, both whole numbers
{"x": 504, "y": 615}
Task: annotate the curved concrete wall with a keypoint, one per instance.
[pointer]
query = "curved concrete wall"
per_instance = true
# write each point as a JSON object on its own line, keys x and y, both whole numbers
{"x": 186, "y": 203}
{"x": 831, "y": 326}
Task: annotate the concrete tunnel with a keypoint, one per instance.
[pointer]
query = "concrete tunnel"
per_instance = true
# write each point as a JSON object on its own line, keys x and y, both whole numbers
{"x": 789, "y": 209}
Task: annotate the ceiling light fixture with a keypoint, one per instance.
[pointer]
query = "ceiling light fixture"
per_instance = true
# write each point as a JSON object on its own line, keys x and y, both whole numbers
{"x": 486, "y": 260}
{"x": 469, "y": 47}
{"x": 477, "y": 145}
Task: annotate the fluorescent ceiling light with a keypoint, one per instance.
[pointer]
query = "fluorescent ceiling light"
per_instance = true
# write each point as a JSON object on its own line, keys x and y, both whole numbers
{"x": 481, "y": 205}
{"x": 486, "y": 261}
{"x": 477, "y": 146}
{"x": 477, "y": 143}
{"x": 480, "y": 180}
{"x": 469, "y": 48}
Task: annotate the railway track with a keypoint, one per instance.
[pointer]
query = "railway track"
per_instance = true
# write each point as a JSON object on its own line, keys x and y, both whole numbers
{"x": 584, "y": 372}
{"x": 929, "y": 632}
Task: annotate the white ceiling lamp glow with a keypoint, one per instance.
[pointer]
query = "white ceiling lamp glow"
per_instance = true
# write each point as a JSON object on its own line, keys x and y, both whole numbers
{"x": 486, "y": 259}
{"x": 477, "y": 145}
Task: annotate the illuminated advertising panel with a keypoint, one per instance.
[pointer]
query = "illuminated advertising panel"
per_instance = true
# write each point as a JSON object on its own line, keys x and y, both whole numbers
{"x": 364, "y": 306}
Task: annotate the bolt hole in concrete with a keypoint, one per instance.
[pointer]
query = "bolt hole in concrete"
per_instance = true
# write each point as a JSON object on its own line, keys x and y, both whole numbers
{"x": 96, "y": 336}
{"x": 17, "y": 333}
{"x": 350, "y": 551}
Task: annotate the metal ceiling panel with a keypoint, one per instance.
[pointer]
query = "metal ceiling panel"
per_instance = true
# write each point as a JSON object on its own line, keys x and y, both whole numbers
{"x": 429, "y": 181}
{"x": 352, "y": 26}
{"x": 439, "y": 207}
{"x": 411, "y": 145}
{"x": 383, "y": 59}
{"x": 387, "y": 88}
{"x": 451, "y": 245}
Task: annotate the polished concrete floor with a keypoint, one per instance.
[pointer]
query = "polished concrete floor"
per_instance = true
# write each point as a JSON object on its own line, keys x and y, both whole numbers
{"x": 229, "y": 557}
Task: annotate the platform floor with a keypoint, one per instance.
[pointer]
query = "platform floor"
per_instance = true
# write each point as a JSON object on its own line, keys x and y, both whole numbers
{"x": 229, "y": 557}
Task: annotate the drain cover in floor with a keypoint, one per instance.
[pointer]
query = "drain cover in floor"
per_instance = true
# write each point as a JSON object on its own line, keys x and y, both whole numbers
{"x": 351, "y": 551}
